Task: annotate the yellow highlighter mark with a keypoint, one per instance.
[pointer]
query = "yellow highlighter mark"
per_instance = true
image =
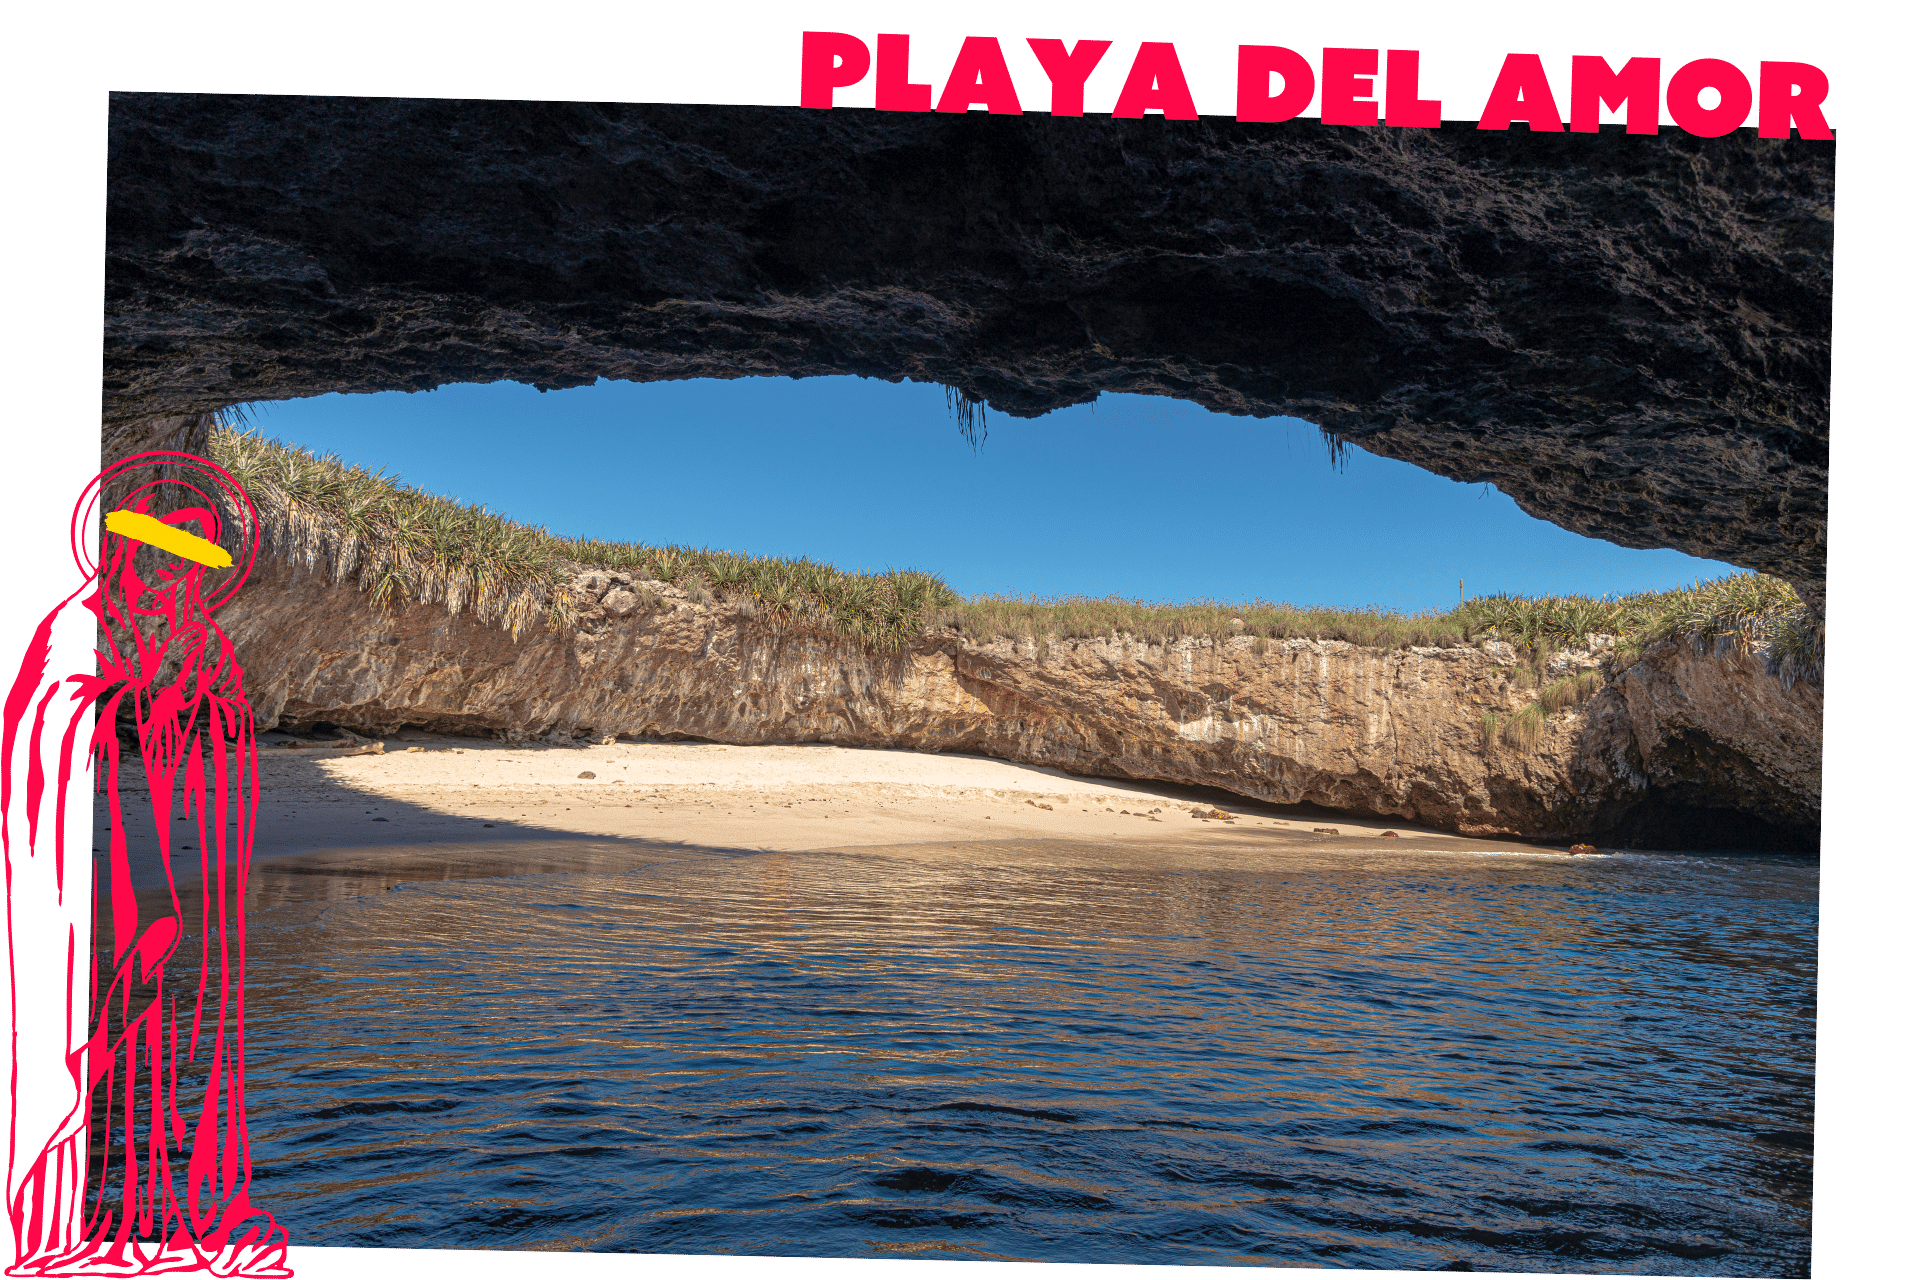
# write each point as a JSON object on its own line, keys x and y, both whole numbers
{"x": 144, "y": 528}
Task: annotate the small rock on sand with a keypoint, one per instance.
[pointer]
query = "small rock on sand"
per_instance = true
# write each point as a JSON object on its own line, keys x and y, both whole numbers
{"x": 588, "y": 773}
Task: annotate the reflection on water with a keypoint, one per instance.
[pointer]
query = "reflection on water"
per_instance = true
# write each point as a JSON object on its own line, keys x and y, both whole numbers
{"x": 1053, "y": 1053}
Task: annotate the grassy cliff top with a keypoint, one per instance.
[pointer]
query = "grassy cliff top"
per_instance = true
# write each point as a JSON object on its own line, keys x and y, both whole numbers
{"x": 402, "y": 544}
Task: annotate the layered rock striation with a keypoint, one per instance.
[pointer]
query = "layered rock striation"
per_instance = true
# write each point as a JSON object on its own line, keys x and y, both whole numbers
{"x": 1675, "y": 749}
{"x": 1629, "y": 335}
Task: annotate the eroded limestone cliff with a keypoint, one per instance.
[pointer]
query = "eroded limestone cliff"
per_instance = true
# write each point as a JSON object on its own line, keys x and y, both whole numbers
{"x": 1675, "y": 749}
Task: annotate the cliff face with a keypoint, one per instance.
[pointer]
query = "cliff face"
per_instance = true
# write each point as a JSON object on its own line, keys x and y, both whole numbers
{"x": 1629, "y": 335}
{"x": 1676, "y": 750}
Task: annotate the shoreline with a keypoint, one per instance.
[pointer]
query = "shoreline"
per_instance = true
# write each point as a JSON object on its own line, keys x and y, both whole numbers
{"x": 334, "y": 823}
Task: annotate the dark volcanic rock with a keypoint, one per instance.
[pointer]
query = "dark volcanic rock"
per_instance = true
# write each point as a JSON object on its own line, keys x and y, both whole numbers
{"x": 1627, "y": 334}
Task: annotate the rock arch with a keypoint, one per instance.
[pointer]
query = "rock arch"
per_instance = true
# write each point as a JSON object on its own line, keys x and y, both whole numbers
{"x": 1629, "y": 335}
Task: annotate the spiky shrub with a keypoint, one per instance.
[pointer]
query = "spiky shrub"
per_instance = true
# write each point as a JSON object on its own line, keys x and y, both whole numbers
{"x": 1569, "y": 691}
{"x": 1747, "y": 614}
{"x": 1078, "y": 617}
{"x": 1738, "y": 615}
{"x": 1524, "y": 728}
{"x": 1535, "y": 624}
{"x": 396, "y": 543}
{"x": 401, "y": 544}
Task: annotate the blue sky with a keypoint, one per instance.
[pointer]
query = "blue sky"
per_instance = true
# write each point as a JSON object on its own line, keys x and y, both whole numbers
{"x": 1137, "y": 496}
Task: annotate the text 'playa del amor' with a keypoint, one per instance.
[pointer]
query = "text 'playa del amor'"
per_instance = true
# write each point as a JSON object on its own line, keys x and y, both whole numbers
{"x": 1274, "y": 83}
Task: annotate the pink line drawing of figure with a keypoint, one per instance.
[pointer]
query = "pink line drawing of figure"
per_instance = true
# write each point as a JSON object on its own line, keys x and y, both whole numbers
{"x": 142, "y": 1038}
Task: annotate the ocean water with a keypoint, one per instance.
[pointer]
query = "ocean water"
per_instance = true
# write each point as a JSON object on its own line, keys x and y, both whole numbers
{"x": 1411, "y": 1059}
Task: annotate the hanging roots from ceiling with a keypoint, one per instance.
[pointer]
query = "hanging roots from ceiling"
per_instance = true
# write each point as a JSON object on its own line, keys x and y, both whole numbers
{"x": 969, "y": 414}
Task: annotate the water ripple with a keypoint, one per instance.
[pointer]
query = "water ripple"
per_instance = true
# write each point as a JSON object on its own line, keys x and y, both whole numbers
{"x": 1030, "y": 1052}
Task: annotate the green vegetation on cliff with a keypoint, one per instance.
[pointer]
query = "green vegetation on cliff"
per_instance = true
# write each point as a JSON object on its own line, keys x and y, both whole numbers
{"x": 402, "y": 544}
{"x": 1739, "y": 614}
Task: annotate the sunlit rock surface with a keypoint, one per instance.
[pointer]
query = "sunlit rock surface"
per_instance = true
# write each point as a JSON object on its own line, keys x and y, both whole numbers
{"x": 1675, "y": 750}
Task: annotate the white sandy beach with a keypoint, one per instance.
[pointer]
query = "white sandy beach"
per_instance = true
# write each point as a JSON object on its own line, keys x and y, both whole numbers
{"x": 669, "y": 799}
{"x": 757, "y": 797}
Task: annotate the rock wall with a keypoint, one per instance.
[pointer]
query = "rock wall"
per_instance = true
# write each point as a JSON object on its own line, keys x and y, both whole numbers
{"x": 1629, "y": 335}
{"x": 1675, "y": 750}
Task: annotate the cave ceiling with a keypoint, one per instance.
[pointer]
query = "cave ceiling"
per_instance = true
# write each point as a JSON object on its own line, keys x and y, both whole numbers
{"x": 1628, "y": 335}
